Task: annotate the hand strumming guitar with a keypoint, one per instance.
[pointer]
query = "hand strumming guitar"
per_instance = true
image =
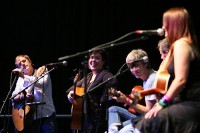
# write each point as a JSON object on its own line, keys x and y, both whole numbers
{"x": 70, "y": 96}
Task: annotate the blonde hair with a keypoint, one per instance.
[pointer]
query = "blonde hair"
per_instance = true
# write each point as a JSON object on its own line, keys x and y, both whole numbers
{"x": 135, "y": 54}
{"x": 23, "y": 55}
{"x": 138, "y": 54}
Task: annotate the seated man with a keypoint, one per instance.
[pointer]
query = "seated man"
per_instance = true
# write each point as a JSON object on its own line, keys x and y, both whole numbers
{"x": 137, "y": 61}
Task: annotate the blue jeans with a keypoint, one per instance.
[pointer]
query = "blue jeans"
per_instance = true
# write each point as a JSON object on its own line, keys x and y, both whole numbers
{"x": 45, "y": 124}
{"x": 120, "y": 115}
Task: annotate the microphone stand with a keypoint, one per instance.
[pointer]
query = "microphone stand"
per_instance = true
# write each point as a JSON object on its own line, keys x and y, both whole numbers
{"x": 103, "y": 83}
{"x": 9, "y": 92}
{"x": 110, "y": 45}
{"x": 117, "y": 44}
{"x": 85, "y": 97}
{"x": 106, "y": 81}
{"x": 24, "y": 93}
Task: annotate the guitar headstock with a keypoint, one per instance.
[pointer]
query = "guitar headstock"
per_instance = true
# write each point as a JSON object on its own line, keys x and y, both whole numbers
{"x": 40, "y": 71}
{"x": 77, "y": 76}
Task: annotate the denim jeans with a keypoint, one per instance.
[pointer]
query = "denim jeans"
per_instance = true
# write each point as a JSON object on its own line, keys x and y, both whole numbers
{"x": 45, "y": 124}
{"x": 120, "y": 115}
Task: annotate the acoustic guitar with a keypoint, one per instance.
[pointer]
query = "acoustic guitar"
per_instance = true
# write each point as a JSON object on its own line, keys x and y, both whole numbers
{"x": 160, "y": 86}
{"x": 77, "y": 105}
{"x": 131, "y": 96}
{"x": 18, "y": 109}
{"x": 137, "y": 93}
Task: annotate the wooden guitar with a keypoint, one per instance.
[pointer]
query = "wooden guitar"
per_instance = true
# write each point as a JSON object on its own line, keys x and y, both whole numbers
{"x": 18, "y": 108}
{"x": 132, "y": 97}
{"x": 160, "y": 86}
{"x": 77, "y": 105}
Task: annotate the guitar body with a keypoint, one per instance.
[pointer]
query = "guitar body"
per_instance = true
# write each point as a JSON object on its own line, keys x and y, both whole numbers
{"x": 77, "y": 109}
{"x": 18, "y": 117}
{"x": 18, "y": 109}
{"x": 132, "y": 97}
{"x": 161, "y": 82}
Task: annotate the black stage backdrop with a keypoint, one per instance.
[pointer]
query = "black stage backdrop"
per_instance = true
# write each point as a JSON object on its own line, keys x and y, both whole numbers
{"x": 49, "y": 29}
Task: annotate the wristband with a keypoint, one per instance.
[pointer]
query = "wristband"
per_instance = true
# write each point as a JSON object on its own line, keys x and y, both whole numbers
{"x": 167, "y": 98}
{"x": 162, "y": 103}
{"x": 128, "y": 102}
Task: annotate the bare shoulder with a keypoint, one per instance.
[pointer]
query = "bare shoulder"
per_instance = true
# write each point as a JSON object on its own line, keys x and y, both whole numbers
{"x": 183, "y": 46}
{"x": 182, "y": 41}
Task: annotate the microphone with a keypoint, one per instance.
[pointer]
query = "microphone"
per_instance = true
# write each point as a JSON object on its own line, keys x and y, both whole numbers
{"x": 159, "y": 32}
{"x": 63, "y": 63}
{"x": 22, "y": 68}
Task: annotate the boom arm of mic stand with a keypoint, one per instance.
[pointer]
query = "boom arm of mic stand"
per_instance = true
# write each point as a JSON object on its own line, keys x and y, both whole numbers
{"x": 106, "y": 45}
{"x": 106, "y": 81}
{"x": 120, "y": 43}
{"x": 73, "y": 55}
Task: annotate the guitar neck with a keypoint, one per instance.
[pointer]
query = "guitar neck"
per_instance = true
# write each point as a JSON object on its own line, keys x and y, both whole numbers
{"x": 147, "y": 92}
{"x": 161, "y": 82}
{"x": 151, "y": 91}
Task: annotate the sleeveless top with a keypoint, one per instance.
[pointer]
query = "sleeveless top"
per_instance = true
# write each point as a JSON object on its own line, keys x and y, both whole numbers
{"x": 192, "y": 89}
